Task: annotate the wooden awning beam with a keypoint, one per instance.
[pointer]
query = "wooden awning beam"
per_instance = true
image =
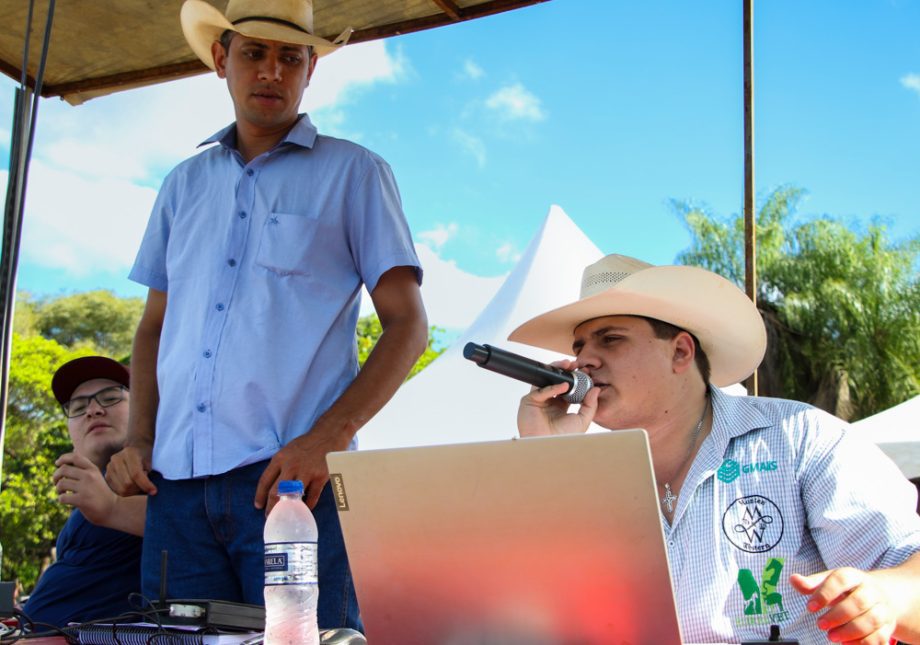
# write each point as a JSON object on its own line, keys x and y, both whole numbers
{"x": 450, "y": 9}
{"x": 450, "y": 14}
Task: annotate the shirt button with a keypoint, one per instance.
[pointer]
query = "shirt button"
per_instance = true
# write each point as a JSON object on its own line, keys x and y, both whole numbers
{"x": 202, "y": 407}
{"x": 242, "y": 214}
{"x": 231, "y": 262}
{"x": 207, "y": 353}
{"x": 219, "y": 306}
{"x": 249, "y": 171}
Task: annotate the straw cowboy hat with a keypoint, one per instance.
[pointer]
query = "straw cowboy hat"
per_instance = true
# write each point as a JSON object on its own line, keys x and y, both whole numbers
{"x": 723, "y": 319}
{"x": 287, "y": 21}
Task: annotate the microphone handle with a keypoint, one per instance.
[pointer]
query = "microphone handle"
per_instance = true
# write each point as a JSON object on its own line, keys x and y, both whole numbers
{"x": 517, "y": 367}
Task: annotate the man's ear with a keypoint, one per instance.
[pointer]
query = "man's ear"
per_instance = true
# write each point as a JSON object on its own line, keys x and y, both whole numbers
{"x": 220, "y": 59}
{"x": 684, "y": 352}
{"x": 312, "y": 68}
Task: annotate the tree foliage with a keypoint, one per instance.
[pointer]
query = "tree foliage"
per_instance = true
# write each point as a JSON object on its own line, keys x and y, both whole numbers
{"x": 368, "y": 333}
{"x": 842, "y": 306}
{"x": 97, "y": 319}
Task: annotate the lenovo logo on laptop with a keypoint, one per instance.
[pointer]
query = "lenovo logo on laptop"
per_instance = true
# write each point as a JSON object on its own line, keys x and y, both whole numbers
{"x": 338, "y": 489}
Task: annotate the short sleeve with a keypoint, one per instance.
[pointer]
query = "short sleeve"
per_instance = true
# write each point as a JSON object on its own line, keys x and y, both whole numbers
{"x": 150, "y": 263}
{"x": 377, "y": 229}
{"x": 861, "y": 510}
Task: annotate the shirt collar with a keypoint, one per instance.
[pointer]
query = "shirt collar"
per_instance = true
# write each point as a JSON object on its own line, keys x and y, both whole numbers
{"x": 303, "y": 133}
{"x": 733, "y": 416}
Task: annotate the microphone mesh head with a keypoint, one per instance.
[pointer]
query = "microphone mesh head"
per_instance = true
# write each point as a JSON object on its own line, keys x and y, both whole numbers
{"x": 579, "y": 388}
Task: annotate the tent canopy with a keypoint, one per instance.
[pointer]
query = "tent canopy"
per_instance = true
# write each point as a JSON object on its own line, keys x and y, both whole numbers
{"x": 104, "y": 46}
{"x": 454, "y": 401}
{"x": 897, "y": 432}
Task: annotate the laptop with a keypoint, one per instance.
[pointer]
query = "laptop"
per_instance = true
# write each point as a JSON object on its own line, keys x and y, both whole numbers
{"x": 544, "y": 540}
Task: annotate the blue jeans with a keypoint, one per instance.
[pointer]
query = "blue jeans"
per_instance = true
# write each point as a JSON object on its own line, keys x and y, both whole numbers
{"x": 213, "y": 536}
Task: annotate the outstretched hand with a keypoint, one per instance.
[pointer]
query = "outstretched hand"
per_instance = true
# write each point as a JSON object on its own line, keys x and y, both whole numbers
{"x": 859, "y": 606}
{"x": 545, "y": 412}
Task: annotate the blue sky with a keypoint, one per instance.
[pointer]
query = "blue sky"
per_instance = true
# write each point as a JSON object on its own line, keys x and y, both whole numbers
{"x": 608, "y": 109}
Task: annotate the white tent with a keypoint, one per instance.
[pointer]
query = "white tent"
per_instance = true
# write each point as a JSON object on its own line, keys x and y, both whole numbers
{"x": 897, "y": 432}
{"x": 455, "y": 401}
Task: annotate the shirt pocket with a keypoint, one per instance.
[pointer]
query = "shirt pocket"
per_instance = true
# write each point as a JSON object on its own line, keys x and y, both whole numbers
{"x": 286, "y": 241}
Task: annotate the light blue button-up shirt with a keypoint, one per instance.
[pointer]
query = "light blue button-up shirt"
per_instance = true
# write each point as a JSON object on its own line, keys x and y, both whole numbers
{"x": 779, "y": 487}
{"x": 263, "y": 264}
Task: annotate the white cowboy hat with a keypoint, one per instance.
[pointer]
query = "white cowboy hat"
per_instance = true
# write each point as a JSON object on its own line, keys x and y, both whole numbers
{"x": 287, "y": 21}
{"x": 723, "y": 319}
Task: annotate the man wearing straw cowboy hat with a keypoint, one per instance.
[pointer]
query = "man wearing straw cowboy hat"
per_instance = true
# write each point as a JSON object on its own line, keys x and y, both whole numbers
{"x": 244, "y": 365}
{"x": 772, "y": 513}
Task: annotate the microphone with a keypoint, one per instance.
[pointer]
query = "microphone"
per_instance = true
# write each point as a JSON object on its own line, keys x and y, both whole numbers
{"x": 528, "y": 370}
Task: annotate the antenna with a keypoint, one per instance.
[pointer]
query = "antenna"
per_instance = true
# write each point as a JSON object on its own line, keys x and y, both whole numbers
{"x": 164, "y": 562}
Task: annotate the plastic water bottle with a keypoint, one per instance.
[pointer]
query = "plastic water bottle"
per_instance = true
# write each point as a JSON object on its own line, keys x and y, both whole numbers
{"x": 291, "y": 589}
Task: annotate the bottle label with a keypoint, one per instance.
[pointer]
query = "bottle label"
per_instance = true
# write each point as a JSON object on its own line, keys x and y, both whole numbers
{"x": 290, "y": 563}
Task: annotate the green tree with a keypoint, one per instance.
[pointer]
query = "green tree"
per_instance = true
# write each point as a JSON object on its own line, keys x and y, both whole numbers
{"x": 97, "y": 319}
{"x": 36, "y": 434}
{"x": 842, "y": 306}
{"x": 25, "y": 319}
{"x": 368, "y": 332}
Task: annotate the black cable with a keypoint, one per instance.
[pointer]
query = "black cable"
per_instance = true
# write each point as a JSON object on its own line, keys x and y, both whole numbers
{"x": 71, "y": 633}
{"x": 27, "y": 628}
{"x": 140, "y": 613}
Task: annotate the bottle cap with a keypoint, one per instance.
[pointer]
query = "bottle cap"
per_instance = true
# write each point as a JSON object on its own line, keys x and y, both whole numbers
{"x": 288, "y": 486}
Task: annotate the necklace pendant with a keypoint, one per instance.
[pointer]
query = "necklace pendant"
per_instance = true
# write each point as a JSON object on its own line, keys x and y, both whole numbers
{"x": 669, "y": 498}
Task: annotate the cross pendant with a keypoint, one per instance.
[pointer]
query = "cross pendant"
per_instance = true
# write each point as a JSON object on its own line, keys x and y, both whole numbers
{"x": 669, "y": 498}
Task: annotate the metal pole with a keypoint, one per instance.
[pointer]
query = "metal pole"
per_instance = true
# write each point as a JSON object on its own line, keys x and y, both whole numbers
{"x": 750, "y": 228}
{"x": 25, "y": 116}
{"x": 18, "y": 141}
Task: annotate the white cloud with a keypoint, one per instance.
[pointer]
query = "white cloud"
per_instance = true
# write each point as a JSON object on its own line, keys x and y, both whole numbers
{"x": 911, "y": 82}
{"x": 508, "y": 253}
{"x": 134, "y": 135}
{"x": 471, "y": 70}
{"x": 83, "y": 225}
{"x": 471, "y": 144}
{"x": 516, "y": 102}
{"x": 352, "y": 68}
{"x": 438, "y": 236}
{"x": 139, "y": 134}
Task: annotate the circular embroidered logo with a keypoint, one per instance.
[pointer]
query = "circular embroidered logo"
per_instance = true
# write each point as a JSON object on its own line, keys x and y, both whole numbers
{"x": 729, "y": 471}
{"x": 753, "y": 524}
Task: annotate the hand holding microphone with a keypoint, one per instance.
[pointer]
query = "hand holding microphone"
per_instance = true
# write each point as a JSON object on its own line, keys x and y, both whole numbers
{"x": 528, "y": 370}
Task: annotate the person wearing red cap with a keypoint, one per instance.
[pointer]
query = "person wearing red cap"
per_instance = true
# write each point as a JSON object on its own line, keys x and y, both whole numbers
{"x": 99, "y": 548}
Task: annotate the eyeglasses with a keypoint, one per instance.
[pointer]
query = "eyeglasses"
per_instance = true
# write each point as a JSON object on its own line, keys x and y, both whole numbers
{"x": 106, "y": 397}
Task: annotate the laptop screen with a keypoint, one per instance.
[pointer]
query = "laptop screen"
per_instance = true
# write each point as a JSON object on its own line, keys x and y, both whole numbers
{"x": 538, "y": 540}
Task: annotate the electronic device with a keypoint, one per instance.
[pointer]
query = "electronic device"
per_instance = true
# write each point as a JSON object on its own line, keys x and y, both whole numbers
{"x": 538, "y": 540}
{"x": 216, "y": 614}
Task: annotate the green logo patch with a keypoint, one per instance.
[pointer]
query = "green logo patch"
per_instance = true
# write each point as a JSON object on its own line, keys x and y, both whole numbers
{"x": 763, "y": 604}
{"x": 729, "y": 471}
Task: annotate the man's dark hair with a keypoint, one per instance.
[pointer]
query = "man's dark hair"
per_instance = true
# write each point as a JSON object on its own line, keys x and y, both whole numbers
{"x": 225, "y": 39}
{"x": 667, "y": 331}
